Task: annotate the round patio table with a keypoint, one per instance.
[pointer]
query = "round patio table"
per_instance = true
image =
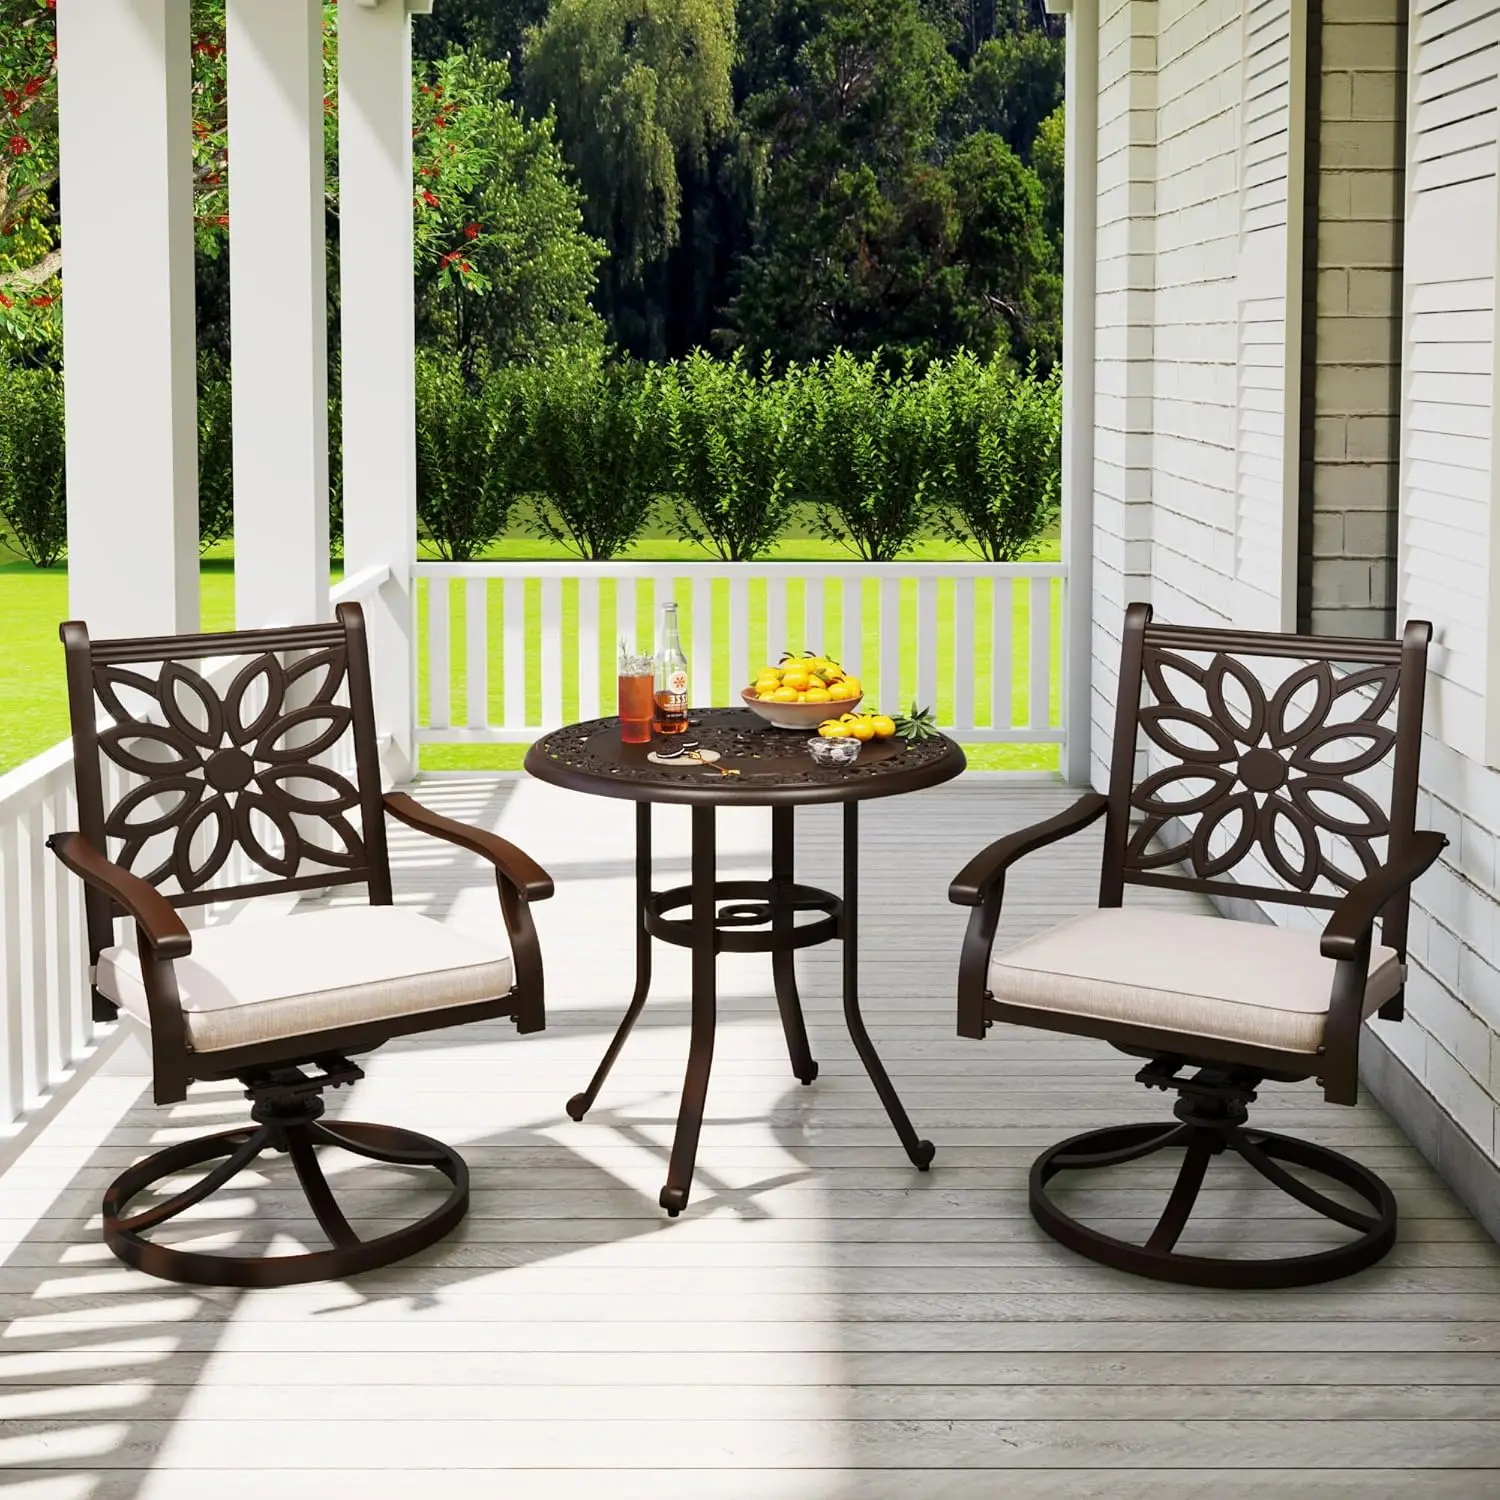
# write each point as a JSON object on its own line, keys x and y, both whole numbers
{"x": 757, "y": 766}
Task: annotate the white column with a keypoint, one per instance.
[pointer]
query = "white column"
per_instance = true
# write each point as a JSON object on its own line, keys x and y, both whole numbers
{"x": 1080, "y": 255}
{"x": 278, "y": 311}
{"x": 125, "y": 128}
{"x": 377, "y": 317}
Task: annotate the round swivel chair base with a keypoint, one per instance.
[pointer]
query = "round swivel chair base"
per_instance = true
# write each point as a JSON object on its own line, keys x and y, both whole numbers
{"x": 1265, "y": 1152}
{"x": 348, "y": 1254}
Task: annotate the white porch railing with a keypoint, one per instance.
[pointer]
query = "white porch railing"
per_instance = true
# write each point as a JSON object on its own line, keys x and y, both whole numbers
{"x": 47, "y": 1029}
{"x": 506, "y": 651}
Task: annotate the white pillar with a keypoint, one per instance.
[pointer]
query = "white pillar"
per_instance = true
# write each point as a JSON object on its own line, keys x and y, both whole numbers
{"x": 278, "y": 311}
{"x": 125, "y": 134}
{"x": 378, "y": 317}
{"x": 1080, "y": 254}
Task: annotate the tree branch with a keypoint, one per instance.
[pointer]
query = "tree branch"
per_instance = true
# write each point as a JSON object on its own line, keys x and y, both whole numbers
{"x": 33, "y": 276}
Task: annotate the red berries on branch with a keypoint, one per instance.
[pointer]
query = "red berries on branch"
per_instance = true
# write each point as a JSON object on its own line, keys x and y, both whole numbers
{"x": 19, "y": 145}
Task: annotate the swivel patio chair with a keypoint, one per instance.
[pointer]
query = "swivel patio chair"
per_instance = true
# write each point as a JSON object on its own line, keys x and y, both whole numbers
{"x": 1290, "y": 762}
{"x": 214, "y": 768}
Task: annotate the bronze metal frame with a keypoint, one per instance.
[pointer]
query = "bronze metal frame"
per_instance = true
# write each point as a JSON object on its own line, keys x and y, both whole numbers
{"x": 1213, "y": 1101}
{"x": 226, "y": 750}
{"x": 724, "y": 914}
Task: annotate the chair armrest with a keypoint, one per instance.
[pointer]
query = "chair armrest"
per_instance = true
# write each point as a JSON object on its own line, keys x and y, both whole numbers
{"x": 156, "y": 917}
{"x": 981, "y": 872}
{"x": 528, "y": 878}
{"x": 1355, "y": 915}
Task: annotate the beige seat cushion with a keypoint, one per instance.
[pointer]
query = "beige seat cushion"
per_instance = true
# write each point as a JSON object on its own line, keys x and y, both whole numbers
{"x": 1205, "y": 976}
{"x": 250, "y": 981}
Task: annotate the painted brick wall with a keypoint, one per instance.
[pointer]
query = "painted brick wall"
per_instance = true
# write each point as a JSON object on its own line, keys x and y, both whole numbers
{"x": 1347, "y": 583}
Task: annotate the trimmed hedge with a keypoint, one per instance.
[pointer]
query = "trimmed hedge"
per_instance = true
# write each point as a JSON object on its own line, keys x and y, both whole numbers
{"x": 599, "y": 449}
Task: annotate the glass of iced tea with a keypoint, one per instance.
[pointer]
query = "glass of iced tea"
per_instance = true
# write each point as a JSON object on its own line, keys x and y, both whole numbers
{"x": 637, "y": 697}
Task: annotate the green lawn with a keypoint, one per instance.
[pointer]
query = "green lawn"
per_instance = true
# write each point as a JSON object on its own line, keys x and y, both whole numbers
{"x": 33, "y": 714}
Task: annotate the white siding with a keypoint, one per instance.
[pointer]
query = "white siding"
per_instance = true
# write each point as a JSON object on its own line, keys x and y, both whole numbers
{"x": 1451, "y": 1037}
{"x": 1199, "y": 263}
{"x": 1124, "y": 337}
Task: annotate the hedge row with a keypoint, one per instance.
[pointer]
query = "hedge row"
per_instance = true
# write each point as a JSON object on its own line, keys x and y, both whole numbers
{"x": 592, "y": 451}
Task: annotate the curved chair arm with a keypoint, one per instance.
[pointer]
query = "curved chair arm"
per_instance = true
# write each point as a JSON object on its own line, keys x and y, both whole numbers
{"x": 530, "y": 880}
{"x": 971, "y": 884}
{"x": 163, "y": 936}
{"x": 1354, "y": 916}
{"x": 158, "y": 920}
{"x": 1347, "y": 939}
{"x": 981, "y": 884}
{"x": 519, "y": 881}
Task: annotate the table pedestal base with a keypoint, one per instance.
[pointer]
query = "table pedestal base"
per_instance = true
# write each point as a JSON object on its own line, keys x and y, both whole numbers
{"x": 760, "y": 917}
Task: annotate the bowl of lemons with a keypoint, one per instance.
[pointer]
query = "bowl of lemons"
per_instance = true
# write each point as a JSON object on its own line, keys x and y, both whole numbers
{"x": 800, "y": 692}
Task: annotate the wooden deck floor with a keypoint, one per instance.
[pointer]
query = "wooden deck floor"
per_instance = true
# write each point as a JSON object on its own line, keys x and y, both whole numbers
{"x": 824, "y": 1323}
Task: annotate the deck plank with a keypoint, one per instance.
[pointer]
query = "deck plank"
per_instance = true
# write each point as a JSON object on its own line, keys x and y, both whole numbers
{"x": 822, "y": 1324}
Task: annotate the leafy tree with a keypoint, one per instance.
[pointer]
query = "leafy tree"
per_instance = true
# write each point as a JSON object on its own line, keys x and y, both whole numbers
{"x": 855, "y": 217}
{"x": 732, "y": 441}
{"x": 1004, "y": 248}
{"x": 504, "y": 270}
{"x": 33, "y": 492}
{"x": 998, "y": 485}
{"x": 215, "y": 456}
{"x": 642, "y": 98}
{"x": 1048, "y": 162}
{"x": 1013, "y": 83}
{"x": 870, "y": 471}
{"x": 29, "y": 255}
{"x": 596, "y": 453}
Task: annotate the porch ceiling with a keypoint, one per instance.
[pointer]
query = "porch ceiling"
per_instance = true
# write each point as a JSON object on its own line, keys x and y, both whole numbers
{"x": 822, "y": 1323}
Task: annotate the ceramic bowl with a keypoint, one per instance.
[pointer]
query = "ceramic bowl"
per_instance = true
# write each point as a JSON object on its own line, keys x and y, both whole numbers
{"x": 803, "y": 716}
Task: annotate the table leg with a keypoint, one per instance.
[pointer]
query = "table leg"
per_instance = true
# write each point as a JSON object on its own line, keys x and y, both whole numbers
{"x": 674, "y": 1195}
{"x": 783, "y": 965}
{"x": 580, "y": 1104}
{"x": 921, "y": 1152}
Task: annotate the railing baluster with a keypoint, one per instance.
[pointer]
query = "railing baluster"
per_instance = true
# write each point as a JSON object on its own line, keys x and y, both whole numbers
{"x": 852, "y": 624}
{"x": 12, "y": 1033}
{"x": 963, "y": 655}
{"x": 1041, "y": 653}
{"x": 1002, "y": 711}
{"x": 477, "y": 651}
{"x": 927, "y": 642}
{"x": 588, "y": 647}
{"x": 439, "y": 678}
{"x": 815, "y": 636}
{"x": 776, "y": 638}
{"x": 514, "y": 665}
{"x": 701, "y": 657}
{"x": 41, "y": 1001}
{"x": 551, "y": 657}
{"x": 741, "y": 668}
{"x": 62, "y": 1043}
{"x": 890, "y": 645}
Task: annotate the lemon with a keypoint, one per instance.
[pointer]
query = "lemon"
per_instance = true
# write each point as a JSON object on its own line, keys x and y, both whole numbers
{"x": 820, "y": 695}
{"x": 798, "y": 680}
{"x": 862, "y": 729}
{"x": 831, "y": 729}
{"x": 785, "y": 694}
{"x": 766, "y": 697}
{"x": 885, "y": 726}
{"x": 841, "y": 691}
{"x": 854, "y": 685}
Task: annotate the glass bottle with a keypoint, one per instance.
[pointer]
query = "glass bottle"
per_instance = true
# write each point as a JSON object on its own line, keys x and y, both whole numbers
{"x": 671, "y": 677}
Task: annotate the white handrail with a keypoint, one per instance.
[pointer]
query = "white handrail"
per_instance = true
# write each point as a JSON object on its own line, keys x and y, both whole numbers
{"x": 509, "y": 650}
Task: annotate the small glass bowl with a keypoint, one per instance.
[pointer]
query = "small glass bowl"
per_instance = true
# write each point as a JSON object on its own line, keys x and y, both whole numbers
{"x": 834, "y": 752}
